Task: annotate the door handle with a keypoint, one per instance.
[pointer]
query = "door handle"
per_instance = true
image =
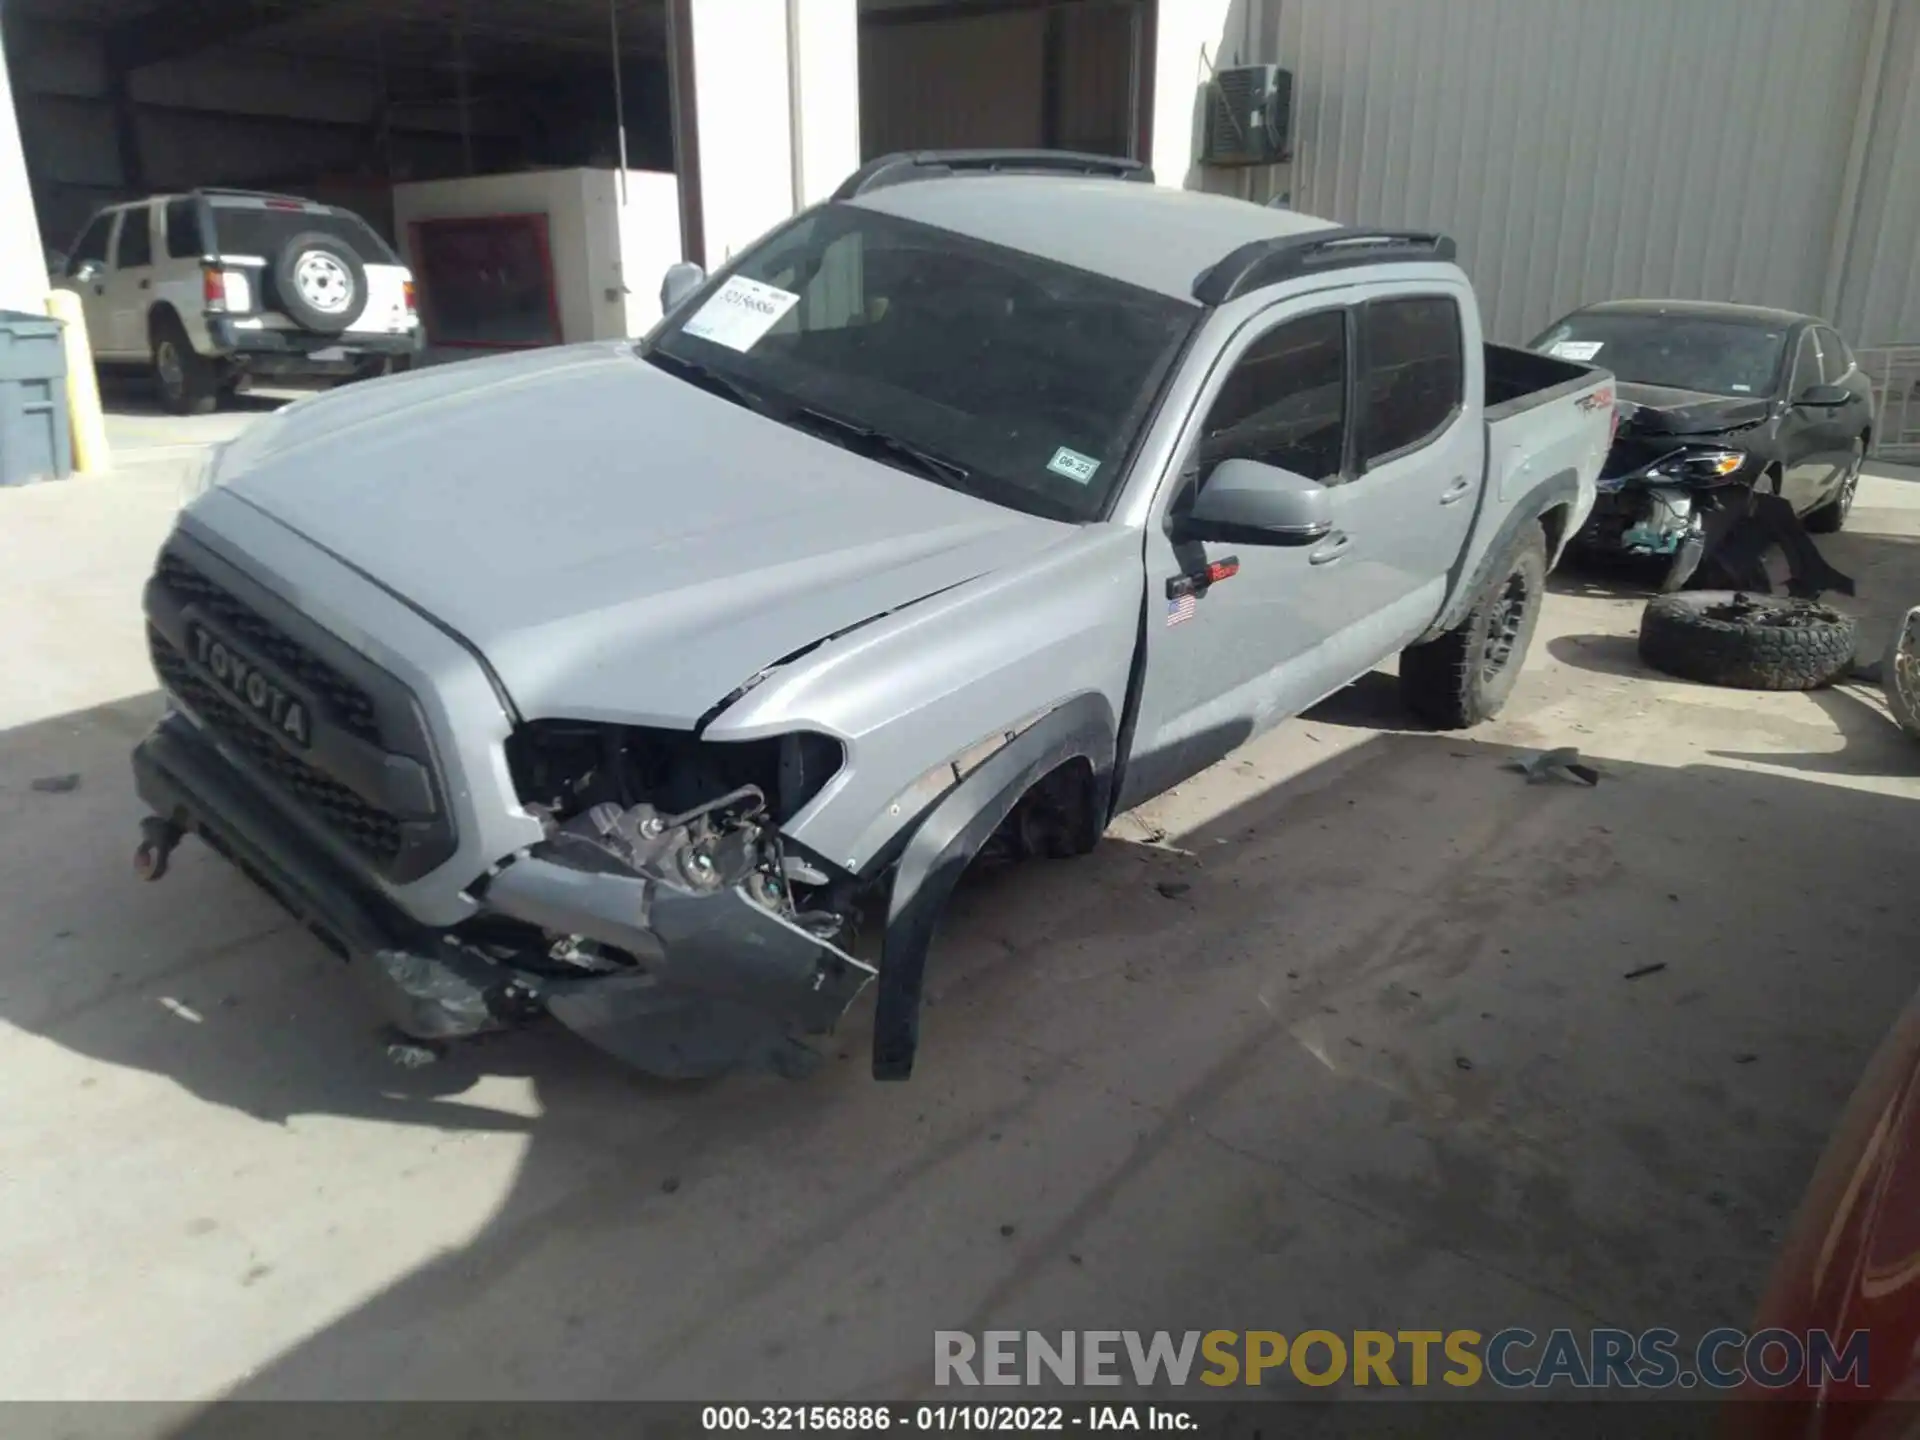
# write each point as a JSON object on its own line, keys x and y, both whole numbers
{"x": 146, "y": 284}
{"x": 1456, "y": 491}
{"x": 99, "y": 289}
{"x": 1335, "y": 547}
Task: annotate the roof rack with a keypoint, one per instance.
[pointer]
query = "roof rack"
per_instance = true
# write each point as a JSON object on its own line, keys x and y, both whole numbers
{"x": 253, "y": 194}
{"x": 905, "y": 165}
{"x": 1260, "y": 263}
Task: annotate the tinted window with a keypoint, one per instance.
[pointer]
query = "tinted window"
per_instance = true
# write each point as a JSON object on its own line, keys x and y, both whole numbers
{"x": 1031, "y": 376}
{"x": 1836, "y": 360}
{"x": 136, "y": 239}
{"x": 1285, "y": 403}
{"x": 183, "y": 229}
{"x": 92, "y": 244}
{"x": 1682, "y": 352}
{"x": 1806, "y": 364}
{"x": 253, "y": 230}
{"x": 1414, "y": 379}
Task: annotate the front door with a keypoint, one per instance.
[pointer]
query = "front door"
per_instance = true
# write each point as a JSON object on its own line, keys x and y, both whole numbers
{"x": 1804, "y": 460}
{"x": 1227, "y": 657}
{"x": 87, "y": 277}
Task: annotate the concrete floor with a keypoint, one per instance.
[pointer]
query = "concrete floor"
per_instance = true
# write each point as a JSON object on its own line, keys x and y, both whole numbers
{"x": 1378, "y": 1066}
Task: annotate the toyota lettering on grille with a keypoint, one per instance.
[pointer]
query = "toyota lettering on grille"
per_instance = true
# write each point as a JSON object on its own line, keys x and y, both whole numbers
{"x": 255, "y": 687}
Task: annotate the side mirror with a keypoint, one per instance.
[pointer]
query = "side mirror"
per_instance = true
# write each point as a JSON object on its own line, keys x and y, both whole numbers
{"x": 1824, "y": 397}
{"x": 1256, "y": 504}
{"x": 682, "y": 279}
{"x": 87, "y": 270}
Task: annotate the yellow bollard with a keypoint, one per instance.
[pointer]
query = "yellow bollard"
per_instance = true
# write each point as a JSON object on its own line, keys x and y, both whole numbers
{"x": 89, "y": 425}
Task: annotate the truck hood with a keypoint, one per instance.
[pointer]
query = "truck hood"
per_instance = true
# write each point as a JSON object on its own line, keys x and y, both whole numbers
{"x": 1659, "y": 410}
{"x": 617, "y": 544}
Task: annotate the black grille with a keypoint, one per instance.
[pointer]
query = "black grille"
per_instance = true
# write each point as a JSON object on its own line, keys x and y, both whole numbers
{"x": 346, "y": 703}
{"x": 373, "y": 832}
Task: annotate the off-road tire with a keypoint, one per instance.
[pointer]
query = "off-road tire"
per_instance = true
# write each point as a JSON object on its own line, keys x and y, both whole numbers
{"x": 187, "y": 382}
{"x": 1900, "y": 673}
{"x": 1465, "y": 676}
{"x": 1831, "y": 517}
{"x": 1746, "y": 641}
{"x": 319, "y": 283}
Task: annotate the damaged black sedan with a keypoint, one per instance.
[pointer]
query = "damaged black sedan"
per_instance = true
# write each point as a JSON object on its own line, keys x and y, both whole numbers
{"x": 1737, "y": 429}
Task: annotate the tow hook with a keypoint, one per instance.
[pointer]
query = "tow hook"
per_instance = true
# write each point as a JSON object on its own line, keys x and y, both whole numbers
{"x": 158, "y": 839}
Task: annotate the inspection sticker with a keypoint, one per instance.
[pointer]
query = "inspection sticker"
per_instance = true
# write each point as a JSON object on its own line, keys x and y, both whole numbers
{"x": 1072, "y": 464}
{"x": 1580, "y": 350}
{"x": 740, "y": 312}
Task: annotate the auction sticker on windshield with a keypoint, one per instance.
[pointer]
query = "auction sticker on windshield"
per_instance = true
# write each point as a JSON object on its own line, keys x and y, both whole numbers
{"x": 1073, "y": 465}
{"x": 1579, "y": 350}
{"x": 739, "y": 313}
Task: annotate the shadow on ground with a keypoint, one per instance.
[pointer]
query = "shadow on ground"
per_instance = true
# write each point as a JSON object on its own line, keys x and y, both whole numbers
{"x": 1427, "y": 1046}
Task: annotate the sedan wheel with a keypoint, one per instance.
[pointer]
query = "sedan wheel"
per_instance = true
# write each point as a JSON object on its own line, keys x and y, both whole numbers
{"x": 1832, "y": 516}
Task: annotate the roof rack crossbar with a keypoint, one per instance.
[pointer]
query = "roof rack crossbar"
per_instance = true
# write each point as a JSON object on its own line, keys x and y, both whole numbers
{"x": 1260, "y": 263}
{"x": 251, "y": 194}
{"x": 905, "y": 165}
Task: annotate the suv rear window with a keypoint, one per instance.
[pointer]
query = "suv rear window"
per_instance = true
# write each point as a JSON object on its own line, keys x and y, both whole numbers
{"x": 252, "y": 230}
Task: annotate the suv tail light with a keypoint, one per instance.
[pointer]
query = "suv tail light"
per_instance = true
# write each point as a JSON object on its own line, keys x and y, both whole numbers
{"x": 225, "y": 291}
{"x": 406, "y": 290}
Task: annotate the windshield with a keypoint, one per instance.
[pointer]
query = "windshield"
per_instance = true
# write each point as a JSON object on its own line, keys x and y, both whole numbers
{"x": 995, "y": 372}
{"x": 1717, "y": 357}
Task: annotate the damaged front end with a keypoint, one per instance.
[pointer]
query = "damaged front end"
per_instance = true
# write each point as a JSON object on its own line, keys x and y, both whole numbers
{"x": 662, "y": 917}
{"x": 1696, "y": 506}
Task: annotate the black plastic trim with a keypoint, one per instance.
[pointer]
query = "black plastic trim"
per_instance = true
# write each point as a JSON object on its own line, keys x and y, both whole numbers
{"x": 905, "y": 165}
{"x": 1260, "y": 263}
{"x": 946, "y": 841}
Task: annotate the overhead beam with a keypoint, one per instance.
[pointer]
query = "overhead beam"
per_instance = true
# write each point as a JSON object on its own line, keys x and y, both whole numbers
{"x": 176, "y": 29}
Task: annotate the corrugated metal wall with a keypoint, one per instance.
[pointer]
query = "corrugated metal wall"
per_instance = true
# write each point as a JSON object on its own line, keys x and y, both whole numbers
{"x": 1880, "y": 297}
{"x": 1582, "y": 150}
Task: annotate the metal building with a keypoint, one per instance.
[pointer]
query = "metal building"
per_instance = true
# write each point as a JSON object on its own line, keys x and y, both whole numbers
{"x": 1765, "y": 151}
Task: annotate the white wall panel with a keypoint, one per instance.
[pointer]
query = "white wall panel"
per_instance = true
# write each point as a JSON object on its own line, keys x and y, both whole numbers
{"x": 1880, "y": 294}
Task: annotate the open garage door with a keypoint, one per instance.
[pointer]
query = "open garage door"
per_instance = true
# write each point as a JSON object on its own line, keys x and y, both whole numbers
{"x": 1066, "y": 74}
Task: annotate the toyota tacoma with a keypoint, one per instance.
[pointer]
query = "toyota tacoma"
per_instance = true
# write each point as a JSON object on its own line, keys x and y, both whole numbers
{"x": 618, "y": 683}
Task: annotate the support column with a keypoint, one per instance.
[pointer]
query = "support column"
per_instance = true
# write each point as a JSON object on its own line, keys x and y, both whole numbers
{"x": 23, "y": 265}
{"x": 766, "y": 114}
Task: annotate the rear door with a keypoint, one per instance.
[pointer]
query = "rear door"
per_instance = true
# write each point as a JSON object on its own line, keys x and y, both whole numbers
{"x": 130, "y": 282}
{"x": 1419, "y": 452}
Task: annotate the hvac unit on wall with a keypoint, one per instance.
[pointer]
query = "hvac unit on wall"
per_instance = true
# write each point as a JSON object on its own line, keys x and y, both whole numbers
{"x": 1249, "y": 114}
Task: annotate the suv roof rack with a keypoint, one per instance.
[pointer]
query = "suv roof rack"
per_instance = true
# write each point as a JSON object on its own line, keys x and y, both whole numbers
{"x": 254, "y": 194}
{"x": 905, "y": 165}
{"x": 1260, "y": 263}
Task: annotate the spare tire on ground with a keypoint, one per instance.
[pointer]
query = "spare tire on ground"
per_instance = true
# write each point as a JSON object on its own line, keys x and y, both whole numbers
{"x": 320, "y": 283}
{"x": 1749, "y": 642}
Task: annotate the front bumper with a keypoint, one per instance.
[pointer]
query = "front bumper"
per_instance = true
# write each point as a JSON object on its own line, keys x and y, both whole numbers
{"x": 723, "y": 982}
{"x": 1647, "y": 520}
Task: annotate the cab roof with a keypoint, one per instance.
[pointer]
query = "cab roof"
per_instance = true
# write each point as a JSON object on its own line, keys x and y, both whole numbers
{"x": 1146, "y": 235}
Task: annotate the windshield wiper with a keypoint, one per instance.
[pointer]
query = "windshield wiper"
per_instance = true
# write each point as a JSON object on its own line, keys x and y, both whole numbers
{"x": 865, "y": 440}
{"x": 707, "y": 378}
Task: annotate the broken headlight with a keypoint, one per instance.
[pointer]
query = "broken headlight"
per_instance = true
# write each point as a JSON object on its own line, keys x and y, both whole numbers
{"x": 1698, "y": 467}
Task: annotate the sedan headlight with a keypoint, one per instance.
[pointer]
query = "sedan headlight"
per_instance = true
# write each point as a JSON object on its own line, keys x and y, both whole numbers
{"x": 1700, "y": 467}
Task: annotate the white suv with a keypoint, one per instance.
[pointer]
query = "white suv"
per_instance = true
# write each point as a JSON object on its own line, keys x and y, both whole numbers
{"x": 209, "y": 287}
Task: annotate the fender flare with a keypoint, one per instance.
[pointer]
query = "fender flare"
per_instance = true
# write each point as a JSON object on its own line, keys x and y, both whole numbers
{"x": 1562, "y": 487}
{"x": 948, "y": 838}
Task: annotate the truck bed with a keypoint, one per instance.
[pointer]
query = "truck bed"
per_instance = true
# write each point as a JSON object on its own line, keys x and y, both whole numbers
{"x": 1518, "y": 379}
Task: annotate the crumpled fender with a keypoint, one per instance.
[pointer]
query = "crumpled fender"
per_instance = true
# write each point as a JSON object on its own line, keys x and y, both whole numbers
{"x": 948, "y": 838}
{"x": 1560, "y": 488}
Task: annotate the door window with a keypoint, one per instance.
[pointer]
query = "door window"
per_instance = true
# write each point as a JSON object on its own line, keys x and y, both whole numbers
{"x": 1836, "y": 360}
{"x": 1806, "y": 365}
{"x": 1413, "y": 382}
{"x": 1285, "y": 403}
{"x": 135, "y": 246}
{"x": 92, "y": 244}
{"x": 183, "y": 230}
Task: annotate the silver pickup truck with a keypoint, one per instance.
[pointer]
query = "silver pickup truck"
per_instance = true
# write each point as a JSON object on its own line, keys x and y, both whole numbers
{"x": 618, "y": 683}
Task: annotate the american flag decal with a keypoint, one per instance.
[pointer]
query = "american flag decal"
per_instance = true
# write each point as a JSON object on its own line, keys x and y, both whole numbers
{"x": 1181, "y": 607}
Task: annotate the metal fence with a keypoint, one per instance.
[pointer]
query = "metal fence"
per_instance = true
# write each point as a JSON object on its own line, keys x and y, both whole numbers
{"x": 1895, "y": 372}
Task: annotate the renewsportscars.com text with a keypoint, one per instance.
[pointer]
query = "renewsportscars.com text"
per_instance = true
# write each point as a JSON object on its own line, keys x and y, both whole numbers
{"x": 1510, "y": 1359}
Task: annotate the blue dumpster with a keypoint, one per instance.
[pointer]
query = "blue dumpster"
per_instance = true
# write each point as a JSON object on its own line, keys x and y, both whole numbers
{"x": 35, "y": 441}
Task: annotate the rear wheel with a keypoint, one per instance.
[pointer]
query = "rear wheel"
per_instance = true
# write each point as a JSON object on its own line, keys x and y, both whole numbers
{"x": 1830, "y": 517}
{"x": 1466, "y": 675}
{"x": 188, "y": 382}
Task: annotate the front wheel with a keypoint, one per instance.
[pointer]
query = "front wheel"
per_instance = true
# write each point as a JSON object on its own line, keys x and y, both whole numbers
{"x": 1466, "y": 675}
{"x": 1832, "y": 516}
